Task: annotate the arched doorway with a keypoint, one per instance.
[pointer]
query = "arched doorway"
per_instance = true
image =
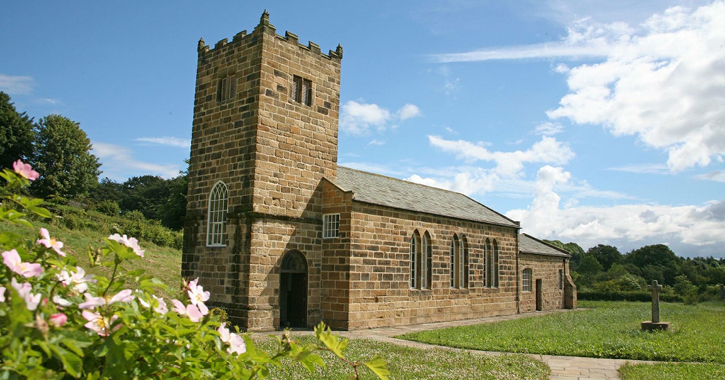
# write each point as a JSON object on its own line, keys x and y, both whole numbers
{"x": 293, "y": 290}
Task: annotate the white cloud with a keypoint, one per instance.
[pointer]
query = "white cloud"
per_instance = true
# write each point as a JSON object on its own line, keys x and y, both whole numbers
{"x": 475, "y": 181}
{"x": 662, "y": 80}
{"x": 358, "y": 118}
{"x": 642, "y": 169}
{"x": 688, "y": 226}
{"x": 451, "y": 130}
{"x": 166, "y": 140}
{"x": 717, "y": 176}
{"x": 376, "y": 142}
{"x": 118, "y": 163}
{"x": 508, "y": 164}
{"x": 408, "y": 111}
{"x": 548, "y": 129}
{"x": 16, "y": 85}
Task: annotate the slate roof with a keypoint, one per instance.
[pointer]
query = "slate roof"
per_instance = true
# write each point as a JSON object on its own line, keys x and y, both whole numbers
{"x": 391, "y": 192}
{"x": 532, "y": 245}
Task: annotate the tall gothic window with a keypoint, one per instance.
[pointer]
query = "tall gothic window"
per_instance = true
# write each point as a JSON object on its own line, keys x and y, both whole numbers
{"x": 495, "y": 264}
{"x": 428, "y": 261}
{"x": 226, "y": 88}
{"x": 415, "y": 260}
{"x": 216, "y": 231}
{"x": 464, "y": 262}
{"x": 489, "y": 264}
{"x": 454, "y": 261}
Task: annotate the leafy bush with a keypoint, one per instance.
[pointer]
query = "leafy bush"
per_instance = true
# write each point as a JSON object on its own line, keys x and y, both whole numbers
{"x": 638, "y": 296}
{"x": 108, "y": 207}
{"x": 57, "y": 322}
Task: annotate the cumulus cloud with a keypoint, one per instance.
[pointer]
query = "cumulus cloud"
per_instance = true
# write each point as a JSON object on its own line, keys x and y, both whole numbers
{"x": 687, "y": 226}
{"x": 16, "y": 85}
{"x": 408, "y": 111}
{"x": 118, "y": 163}
{"x": 508, "y": 164}
{"x": 359, "y": 118}
{"x": 166, "y": 140}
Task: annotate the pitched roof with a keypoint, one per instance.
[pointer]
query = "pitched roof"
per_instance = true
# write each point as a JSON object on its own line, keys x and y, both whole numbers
{"x": 391, "y": 192}
{"x": 530, "y": 244}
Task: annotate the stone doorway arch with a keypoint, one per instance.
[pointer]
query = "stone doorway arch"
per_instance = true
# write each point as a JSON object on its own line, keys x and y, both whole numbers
{"x": 293, "y": 290}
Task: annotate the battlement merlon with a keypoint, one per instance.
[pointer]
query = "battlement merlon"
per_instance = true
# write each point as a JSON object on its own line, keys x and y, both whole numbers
{"x": 265, "y": 26}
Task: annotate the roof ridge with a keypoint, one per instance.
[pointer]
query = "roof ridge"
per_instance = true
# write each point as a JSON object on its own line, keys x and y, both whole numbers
{"x": 547, "y": 244}
{"x": 417, "y": 184}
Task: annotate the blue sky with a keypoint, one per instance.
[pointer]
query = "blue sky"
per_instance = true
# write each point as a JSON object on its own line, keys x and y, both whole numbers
{"x": 589, "y": 121}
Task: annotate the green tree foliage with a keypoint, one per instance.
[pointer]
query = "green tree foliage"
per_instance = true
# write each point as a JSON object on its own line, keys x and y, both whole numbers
{"x": 16, "y": 134}
{"x": 576, "y": 252}
{"x": 174, "y": 209}
{"x": 655, "y": 259}
{"x": 607, "y": 255}
{"x": 64, "y": 160}
{"x": 146, "y": 194}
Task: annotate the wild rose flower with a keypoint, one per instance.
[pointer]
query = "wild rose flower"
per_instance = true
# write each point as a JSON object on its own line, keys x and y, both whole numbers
{"x": 161, "y": 307}
{"x": 198, "y": 296}
{"x": 236, "y": 344}
{"x": 128, "y": 242}
{"x": 32, "y": 301}
{"x": 193, "y": 312}
{"x": 58, "y": 320}
{"x": 179, "y": 307}
{"x": 99, "y": 323}
{"x": 224, "y": 334}
{"x": 78, "y": 279}
{"x": 25, "y": 170}
{"x": 50, "y": 242}
{"x": 12, "y": 260}
{"x": 24, "y": 291}
{"x": 92, "y": 302}
{"x": 2, "y": 294}
{"x": 58, "y": 300}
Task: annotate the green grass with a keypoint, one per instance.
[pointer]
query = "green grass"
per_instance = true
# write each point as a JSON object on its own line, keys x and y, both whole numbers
{"x": 672, "y": 371}
{"x": 607, "y": 330}
{"x": 162, "y": 262}
{"x": 414, "y": 363}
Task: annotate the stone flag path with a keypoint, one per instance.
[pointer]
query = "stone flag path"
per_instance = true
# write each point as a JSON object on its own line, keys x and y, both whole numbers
{"x": 562, "y": 367}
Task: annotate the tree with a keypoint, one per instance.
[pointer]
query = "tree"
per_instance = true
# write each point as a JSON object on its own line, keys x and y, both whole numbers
{"x": 662, "y": 260}
{"x": 146, "y": 194}
{"x": 63, "y": 159}
{"x": 576, "y": 252}
{"x": 16, "y": 134}
{"x": 173, "y": 211}
{"x": 607, "y": 255}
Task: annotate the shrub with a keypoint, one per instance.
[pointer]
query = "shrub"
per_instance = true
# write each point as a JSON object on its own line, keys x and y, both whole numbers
{"x": 108, "y": 207}
{"x": 57, "y": 322}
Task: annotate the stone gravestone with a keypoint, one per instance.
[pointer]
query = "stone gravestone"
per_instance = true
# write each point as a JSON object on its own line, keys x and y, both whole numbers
{"x": 722, "y": 292}
{"x": 655, "y": 323}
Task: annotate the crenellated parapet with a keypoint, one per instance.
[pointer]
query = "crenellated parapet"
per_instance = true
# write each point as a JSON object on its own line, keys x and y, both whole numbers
{"x": 265, "y": 26}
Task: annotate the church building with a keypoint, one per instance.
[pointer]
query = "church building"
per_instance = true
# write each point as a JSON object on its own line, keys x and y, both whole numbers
{"x": 284, "y": 237}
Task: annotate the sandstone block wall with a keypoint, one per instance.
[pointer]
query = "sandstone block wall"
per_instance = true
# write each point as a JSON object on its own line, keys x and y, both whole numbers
{"x": 545, "y": 268}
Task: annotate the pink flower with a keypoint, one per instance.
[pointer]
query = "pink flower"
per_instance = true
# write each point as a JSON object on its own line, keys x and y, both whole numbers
{"x": 58, "y": 320}
{"x": 12, "y": 260}
{"x": 160, "y": 304}
{"x": 224, "y": 334}
{"x": 58, "y": 300}
{"x": 78, "y": 279}
{"x": 24, "y": 291}
{"x": 128, "y": 242}
{"x": 236, "y": 344}
{"x": 2, "y": 294}
{"x": 25, "y": 170}
{"x": 92, "y": 302}
{"x": 50, "y": 242}
{"x": 179, "y": 307}
{"x": 198, "y": 296}
{"x": 99, "y": 323}
{"x": 193, "y": 312}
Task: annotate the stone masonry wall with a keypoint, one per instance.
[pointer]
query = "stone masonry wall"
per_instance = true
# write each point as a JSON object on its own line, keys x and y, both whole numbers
{"x": 380, "y": 293}
{"x": 545, "y": 268}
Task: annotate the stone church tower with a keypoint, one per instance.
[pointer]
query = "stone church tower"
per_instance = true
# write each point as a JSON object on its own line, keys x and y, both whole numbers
{"x": 265, "y": 133}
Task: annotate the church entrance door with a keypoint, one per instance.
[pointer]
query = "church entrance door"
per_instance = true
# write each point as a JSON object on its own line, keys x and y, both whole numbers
{"x": 293, "y": 290}
{"x": 539, "y": 296}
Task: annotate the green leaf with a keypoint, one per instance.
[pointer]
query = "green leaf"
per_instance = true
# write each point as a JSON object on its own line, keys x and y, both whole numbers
{"x": 379, "y": 367}
{"x": 71, "y": 362}
{"x": 309, "y": 360}
{"x": 330, "y": 340}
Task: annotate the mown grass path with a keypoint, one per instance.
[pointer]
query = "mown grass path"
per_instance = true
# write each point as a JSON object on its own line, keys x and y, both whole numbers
{"x": 607, "y": 330}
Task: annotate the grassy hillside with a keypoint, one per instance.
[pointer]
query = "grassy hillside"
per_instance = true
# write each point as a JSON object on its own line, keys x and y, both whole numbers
{"x": 89, "y": 228}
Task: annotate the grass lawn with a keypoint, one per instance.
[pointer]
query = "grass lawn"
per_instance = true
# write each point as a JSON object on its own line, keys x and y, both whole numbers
{"x": 163, "y": 263}
{"x": 414, "y": 363}
{"x": 672, "y": 371}
{"x": 607, "y": 330}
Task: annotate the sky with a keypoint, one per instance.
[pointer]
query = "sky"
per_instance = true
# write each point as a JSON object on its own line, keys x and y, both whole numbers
{"x": 588, "y": 121}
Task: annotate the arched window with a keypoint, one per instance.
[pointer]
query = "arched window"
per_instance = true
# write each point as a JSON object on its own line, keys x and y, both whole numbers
{"x": 495, "y": 264}
{"x": 488, "y": 259}
{"x": 216, "y": 231}
{"x": 464, "y": 262}
{"x": 428, "y": 261}
{"x": 456, "y": 265}
{"x": 526, "y": 280}
{"x": 415, "y": 260}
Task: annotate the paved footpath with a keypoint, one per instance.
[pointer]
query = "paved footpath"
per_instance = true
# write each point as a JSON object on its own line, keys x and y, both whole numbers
{"x": 562, "y": 367}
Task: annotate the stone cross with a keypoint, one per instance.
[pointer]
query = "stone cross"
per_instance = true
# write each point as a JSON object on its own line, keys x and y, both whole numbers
{"x": 655, "y": 288}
